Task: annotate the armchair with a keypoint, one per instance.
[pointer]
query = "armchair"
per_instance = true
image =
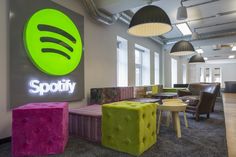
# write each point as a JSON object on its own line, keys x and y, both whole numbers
{"x": 200, "y": 98}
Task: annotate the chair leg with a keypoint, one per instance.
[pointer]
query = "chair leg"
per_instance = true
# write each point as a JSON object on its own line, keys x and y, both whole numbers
{"x": 197, "y": 117}
{"x": 185, "y": 120}
{"x": 208, "y": 115}
{"x": 159, "y": 122}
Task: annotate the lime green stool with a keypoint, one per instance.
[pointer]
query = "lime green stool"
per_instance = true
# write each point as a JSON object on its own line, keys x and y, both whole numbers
{"x": 129, "y": 127}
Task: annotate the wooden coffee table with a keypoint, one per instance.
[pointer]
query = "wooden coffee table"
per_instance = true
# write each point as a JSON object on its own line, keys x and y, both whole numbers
{"x": 166, "y": 95}
{"x": 174, "y": 108}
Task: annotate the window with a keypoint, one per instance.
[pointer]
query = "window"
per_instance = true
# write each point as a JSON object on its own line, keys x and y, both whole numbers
{"x": 217, "y": 75}
{"x": 184, "y": 73}
{"x": 173, "y": 71}
{"x": 202, "y": 75}
{"x": 157, "y": 68}
{"x": 142, "y": 66}
{"x": 122, "y": 62}
{"x": 208, "y": 75}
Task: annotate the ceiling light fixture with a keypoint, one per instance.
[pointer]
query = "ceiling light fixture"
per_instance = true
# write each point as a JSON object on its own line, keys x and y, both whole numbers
{"x": 231, "y": 56}
{"x": 234, "y": 47}
{"x": 182, "y": 13}
{"x": 182, "y": 48}
{"x": 199, "y": 50}
{"x": 149, "y": 21}
{"x": 184, "y": 29}
{"x": 196, "y": 59}
{"x": 195, "y": 35}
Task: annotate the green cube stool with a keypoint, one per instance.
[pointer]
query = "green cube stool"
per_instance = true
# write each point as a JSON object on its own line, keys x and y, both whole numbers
{"x": 129, "y": 127}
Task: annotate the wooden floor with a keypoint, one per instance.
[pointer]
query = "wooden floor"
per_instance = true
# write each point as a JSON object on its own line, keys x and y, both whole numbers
{"x": 229, "y": 101}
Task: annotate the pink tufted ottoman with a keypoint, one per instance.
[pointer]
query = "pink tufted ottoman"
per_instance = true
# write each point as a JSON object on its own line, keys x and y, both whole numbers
{"x": 39, "y": 129}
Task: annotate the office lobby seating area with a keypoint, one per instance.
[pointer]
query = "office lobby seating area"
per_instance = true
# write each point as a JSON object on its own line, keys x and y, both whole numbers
{"x": 119, "y": 122}
{"x": 195, "y": 140}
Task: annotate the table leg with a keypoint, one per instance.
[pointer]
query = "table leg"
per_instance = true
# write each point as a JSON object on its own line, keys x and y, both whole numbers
{"x": 159, "y": 122}
{"x": 185, "y": 120}
{"x": 173, "y": 120}
{"x": 177, "y": 123}
{"x": 168, "y": 116}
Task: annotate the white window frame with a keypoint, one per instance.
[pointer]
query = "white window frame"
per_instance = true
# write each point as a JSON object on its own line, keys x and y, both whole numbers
{"x": 157, "y": 67}
{"x": 122, "y": 62}
{"x": 184, "y": 67}
{"x": 143, "y": 66}
{"x": 174, "y": 71}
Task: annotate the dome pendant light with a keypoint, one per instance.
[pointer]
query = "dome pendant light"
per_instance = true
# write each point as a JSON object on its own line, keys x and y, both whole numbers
{"x": 149, "y": 21}
{"x": 182, "y": 12}
{"x": 196, "y": 59}
{"x": 182, "y": 48}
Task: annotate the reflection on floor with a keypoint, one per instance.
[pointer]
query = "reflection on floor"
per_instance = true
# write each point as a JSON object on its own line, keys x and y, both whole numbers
{"x": 205, "y": 138}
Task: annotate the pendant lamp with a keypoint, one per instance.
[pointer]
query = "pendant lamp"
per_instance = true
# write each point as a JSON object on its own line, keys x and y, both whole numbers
{"x": 149, "y": 21}
{"x": 196, "y": 59}
{"x": 182, "y": 48}
{"x": 182, "y": 12}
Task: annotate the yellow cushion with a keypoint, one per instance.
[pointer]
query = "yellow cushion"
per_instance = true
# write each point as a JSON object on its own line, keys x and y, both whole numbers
{"x": 129, "y": 126}
{"x": 155, "y": 90}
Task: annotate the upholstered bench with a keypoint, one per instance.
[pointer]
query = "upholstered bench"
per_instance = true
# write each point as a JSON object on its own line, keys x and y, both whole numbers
{"x": 85, "y": 122}
{"x": 39, "y": 129}
{"x": 129, "y": 126}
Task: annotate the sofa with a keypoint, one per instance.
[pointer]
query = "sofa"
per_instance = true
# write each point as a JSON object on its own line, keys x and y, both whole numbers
{"x": 115, "y": 94}
{"x": 200, "y": 97}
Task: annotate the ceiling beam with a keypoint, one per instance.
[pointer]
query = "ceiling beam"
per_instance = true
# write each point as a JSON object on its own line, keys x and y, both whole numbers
{"x": 230, "y": 38}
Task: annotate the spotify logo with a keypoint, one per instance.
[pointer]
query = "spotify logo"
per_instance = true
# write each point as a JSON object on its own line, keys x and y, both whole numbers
{"x": 53, "y": 42}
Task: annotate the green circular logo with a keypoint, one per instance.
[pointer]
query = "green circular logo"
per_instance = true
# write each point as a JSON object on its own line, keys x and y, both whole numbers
{"x": 53, "y": 42}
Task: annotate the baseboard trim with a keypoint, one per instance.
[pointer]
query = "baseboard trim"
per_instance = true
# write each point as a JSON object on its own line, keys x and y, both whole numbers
{"x": 5, "y": 140}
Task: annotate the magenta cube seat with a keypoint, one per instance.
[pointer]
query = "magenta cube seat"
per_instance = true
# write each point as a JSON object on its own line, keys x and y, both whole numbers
{"x": 39, "y": 129}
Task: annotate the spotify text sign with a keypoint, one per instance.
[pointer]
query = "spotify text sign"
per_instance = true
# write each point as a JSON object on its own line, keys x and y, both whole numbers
{"x": 46, "y": 53}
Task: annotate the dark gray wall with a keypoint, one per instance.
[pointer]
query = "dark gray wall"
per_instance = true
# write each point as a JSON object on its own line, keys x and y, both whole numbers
{"x": 22, "y": 69}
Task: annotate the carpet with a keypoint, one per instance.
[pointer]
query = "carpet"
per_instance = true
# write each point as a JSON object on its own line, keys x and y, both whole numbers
{"x": 205, "y": 138}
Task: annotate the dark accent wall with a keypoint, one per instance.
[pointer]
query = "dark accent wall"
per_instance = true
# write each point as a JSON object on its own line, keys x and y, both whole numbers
{"x": 22, "y": 70}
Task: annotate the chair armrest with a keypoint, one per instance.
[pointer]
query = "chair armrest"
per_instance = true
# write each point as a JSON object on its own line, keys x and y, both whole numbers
{"x": 183, "y": 93}
{"x": 205, "y": 102}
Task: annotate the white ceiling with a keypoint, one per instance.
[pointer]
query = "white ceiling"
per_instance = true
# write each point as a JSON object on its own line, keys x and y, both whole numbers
{"x": 200, "y": 11}
{"x": 217, "y": 16}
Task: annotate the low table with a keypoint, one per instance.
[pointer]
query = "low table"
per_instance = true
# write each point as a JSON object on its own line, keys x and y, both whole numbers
{"x": 174, "y": 108}
{"x": 145, "y": 100}
{"x": 166, "y": 95}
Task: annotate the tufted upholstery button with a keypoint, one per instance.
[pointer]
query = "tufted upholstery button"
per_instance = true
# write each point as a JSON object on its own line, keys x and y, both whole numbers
{"x": 118, "y": 128}
{"x": 144, "y": 115}
{"x": 25, "y": 120}
{"x": 50, "y": 141}
{"x": 153, "y": 133}
{"x": 148, "y": 126}
{"x": 108, "y": 115}
{"x": 153, "y": 113}
{"x": 37, "y": 130}
{"x": 127, "y": 118}
{"x": 144, "y": 139}
{"x": 109, "y": 137}
{"x": 50, "y": 119}
{"x": 127, "y": 141}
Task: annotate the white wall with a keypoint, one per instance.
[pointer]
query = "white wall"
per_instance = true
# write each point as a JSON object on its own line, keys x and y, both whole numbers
{"x": 227, "y": 69}
{"x": 100, "y": 57}
{"x": 167, "y": 68}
